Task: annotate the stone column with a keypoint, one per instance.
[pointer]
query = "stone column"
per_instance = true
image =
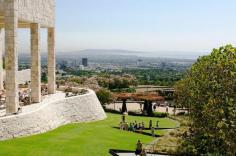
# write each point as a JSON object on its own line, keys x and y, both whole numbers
{"x": 11, "y": 21}
{"x": 35, "y": 63}
{"x": 51, "y": 61}
{"x": 1, "y": 60}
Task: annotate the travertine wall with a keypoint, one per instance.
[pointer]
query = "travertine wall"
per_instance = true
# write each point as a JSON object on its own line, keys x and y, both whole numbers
{"x": 34, "y": 11}
{"x": 35, "y": 63}
{"x": 23, "y": 76}
{"x": 1, "y": 57}
{"x": 37, "y": 11}
{"x": 83, "y": 108}
{"x": 11, "y": 53}
{"x": 1, "y": 6}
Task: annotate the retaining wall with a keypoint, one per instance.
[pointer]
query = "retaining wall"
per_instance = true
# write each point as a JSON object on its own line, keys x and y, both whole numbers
{"x": 82, "y": 108}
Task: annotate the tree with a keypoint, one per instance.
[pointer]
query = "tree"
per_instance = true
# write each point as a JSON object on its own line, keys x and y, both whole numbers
{"x": 105, "y": 96}
{"x": 44, "y": 77}
{"x": 182, "y": 93}
{"x": 210, "y": 89}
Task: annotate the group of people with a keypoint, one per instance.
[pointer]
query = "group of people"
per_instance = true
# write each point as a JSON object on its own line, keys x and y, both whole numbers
{"x": 44, "y": 90}
{"x": 133, "y": 126}
{"x": 151, "y": 125}
{"x": 24, "y": 96}
{"x": 138, "y": 127}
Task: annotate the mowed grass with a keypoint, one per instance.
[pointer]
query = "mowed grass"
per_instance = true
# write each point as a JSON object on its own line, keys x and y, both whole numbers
{"x": 83, "y": 139}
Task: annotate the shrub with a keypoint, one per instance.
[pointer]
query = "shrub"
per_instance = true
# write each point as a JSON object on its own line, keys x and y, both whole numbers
{"x": 155, "y": 114}
{"x": 160, "y": 114}
{"x": 126, "y": 90}
{"x": 180, "y": 113}
{"x": 105, "y": 96}
{"x": 68, "y": 89}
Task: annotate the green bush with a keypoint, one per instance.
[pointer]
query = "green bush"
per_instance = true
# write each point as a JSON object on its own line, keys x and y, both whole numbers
{"x": 160, "y": 114}
{"x": 180, "y": 113}
{"x": 155, "y": 114}
{"x": 125, "y": 90}
{"x": 105, "y": 96}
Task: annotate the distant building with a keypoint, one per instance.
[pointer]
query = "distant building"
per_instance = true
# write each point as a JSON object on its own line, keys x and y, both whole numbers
{"x": 63, "y": 64}
{"x": 85, "y": 62}
{"x": 74, "y": 63}
{"x": 139, "y": 62}
{"x": 81, "y": 67}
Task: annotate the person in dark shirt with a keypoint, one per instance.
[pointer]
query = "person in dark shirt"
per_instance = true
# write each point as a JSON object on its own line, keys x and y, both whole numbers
{"x": 157, "y": 124}
{"x": 139, "y": 147}
{"x": 150, "y": 124}
{"x": 135, "y": 125}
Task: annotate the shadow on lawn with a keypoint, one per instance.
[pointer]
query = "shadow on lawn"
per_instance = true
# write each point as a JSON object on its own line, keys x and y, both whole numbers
{"x": 144, "y": 133}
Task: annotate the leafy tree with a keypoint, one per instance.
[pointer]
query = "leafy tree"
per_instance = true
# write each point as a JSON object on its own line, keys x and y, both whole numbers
{"x": 105, "y": 96}
{"x": 182, "y": 93}
{"x": 163, "y": 77}
{"x": 44, "y": 77}
{"x": 210, "y": 90}
{"x": 114, "y": 82}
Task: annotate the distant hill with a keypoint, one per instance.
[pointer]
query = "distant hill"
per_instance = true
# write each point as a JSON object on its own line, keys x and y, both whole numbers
{"x": 117, "y": 56}
{"x": 89, "y": 52}
{"x": 112, "y": 52}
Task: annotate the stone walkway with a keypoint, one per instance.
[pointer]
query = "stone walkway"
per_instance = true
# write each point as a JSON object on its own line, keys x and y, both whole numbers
{"x": 149, "y": 147}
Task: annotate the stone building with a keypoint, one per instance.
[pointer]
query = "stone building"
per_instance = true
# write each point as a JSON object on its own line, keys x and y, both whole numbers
{"x": 32, "y": 14}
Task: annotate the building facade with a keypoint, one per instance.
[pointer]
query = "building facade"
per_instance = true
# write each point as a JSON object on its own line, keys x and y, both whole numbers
{"x": 32, "y": 14}
{"x": 85, "y": 62}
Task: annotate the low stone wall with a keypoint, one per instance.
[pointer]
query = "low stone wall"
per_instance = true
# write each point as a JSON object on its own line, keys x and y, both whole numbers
{"x": 23, "y": 76}
{"x": 82, "y": 108}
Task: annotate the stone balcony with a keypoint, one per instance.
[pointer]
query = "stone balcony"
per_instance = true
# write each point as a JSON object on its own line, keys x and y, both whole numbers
{"x": 31, "y": 11}
{"x": 32, "y": 14}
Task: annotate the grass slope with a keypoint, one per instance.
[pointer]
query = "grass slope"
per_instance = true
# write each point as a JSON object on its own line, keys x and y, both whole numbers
{"x": 83, "y": 139}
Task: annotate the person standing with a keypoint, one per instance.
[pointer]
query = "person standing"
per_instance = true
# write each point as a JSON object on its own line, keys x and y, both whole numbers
{"x": 140, "y": 128}
{"x": 174, "y": 109}
{"x": 139, "y": 147}
{"x": 135, "y": 125}
{"x": 150, "y": 124}
{"x": 121, "y": 126}
{"x": 154, "y": 107}
{"x": 143, "y": 126}
{"x": 167, "y": 108}
{"x": 153, "y": 131}
{"x": 157, "y": 124}
{"x": 123, "y": 118}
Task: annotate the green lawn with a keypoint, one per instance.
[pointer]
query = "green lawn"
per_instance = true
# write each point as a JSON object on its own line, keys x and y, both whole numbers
{"x": 84, "y": 139}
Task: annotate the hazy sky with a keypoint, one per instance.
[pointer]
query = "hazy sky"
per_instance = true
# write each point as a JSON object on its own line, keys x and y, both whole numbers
{"x": 147, "y": 25}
